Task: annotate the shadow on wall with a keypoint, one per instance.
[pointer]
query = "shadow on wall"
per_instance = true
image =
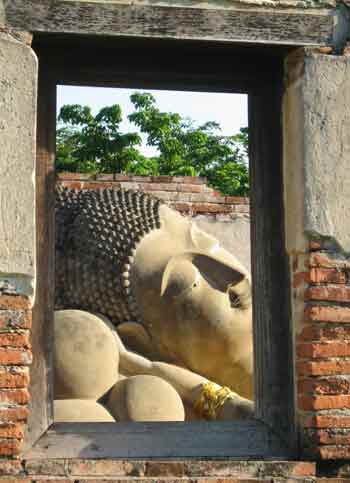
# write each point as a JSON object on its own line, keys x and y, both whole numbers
{"x": 233, "y": 234}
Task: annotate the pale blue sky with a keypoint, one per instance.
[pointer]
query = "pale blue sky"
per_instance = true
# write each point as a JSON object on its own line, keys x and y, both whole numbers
{"x": 229, "y": 110}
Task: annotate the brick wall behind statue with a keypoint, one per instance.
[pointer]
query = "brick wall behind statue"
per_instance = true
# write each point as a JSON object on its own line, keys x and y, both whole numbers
{"x": 189, "y": 195}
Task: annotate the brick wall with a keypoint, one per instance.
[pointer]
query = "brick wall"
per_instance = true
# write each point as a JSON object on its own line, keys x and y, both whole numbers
{"x": 323, "y": 353}
{"x": 151, "y": 471}
{"x": 15, "y": 359}
{"x": 189, "y": 195}
{"x": 18, "y": 80}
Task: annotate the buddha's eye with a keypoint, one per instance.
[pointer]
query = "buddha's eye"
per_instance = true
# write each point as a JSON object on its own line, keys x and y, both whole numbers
{"x": 234, "y": 297}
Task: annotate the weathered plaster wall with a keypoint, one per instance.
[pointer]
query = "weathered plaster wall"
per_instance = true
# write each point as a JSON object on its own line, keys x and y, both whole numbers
{"x": 233, "y": 234}
{"x": 17, "y": 165}
{"x": 317, "y": 202}
{"x": 18, "y": 77}
{"x": 326, "y": 99}
{"x": 285, "y": 22}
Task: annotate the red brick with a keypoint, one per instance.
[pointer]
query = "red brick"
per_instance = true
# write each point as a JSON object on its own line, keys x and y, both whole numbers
{"x": 106, "y": 468}
{"x": 323, "y": 368}
{"x": 47, "y": 467}
{"x": 241, "y": 209}
{"x": 67, "y": 176}
{"x": 334, "y": 452}
{"x": 325, "y": 261}
{"x": 14, "y": 414}
{"x": 331, "y": 480}
{"x": 119, "y": 177}
{"x": 70, "y": 184}
{"x": 11, "y": 430}
{"x": 96, "y": 185}
{"x": 192, "y": 480}
{"x": 310, "y": 403}
{"x": 209, "y": 208}
{"x": 339, "y": 293}
{"x": 317, "y": 313}
{"x": 236, "y": 200}
{"x": 108, "y": 177}
{"x": 304, "y": 468}
{"x": 15, "y": 340}
{"x": 182, "y": 179}
{"x": 75, "y": 185}
{"x": 136, "y": 179}
{"x": 22, "y": 480}
{"x": 327, "y": 275}
{"x": 315, "y": 245}
{"x": 14, "y": 377}
{"x": 13, "y": 357}
{"x": 10, "y": 468}
{"x": 327, "y": 349}
{"x": 15, "y": 319}
{"x": 182, "y": 207}
{"x": 332, "y": 385}
{"x": 14, "y": 302}
{"x": 190, "y": 188}
{"x": 317, "y": 421}
{"x": 323, "y": 334}
{"x": 309, "y": 333}
{"x": 328, "y": 436}
{"x": 9, "y": 447}
{"x": 17, "y": 396}
{"x": 237, "y": 479}
{"x": 168, "y": 469}
{"x": 169, "y": 179}
{"x": 159, "y": 187}
{"x": 66, "y": 480}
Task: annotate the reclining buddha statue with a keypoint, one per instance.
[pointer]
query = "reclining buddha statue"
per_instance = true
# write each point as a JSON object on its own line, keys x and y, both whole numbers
{"x": 179, "y": 305}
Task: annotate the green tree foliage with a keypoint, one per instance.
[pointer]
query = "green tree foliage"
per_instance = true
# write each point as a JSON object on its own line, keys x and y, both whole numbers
{"x": 95, "y": 144}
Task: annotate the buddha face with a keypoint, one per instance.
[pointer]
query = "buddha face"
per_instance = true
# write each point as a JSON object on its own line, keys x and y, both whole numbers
{"x": 194, "y": 300}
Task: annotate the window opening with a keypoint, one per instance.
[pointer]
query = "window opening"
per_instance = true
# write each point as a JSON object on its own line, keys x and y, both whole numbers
{"x": 188, "y": 66}
{"x": 153, "y": 294}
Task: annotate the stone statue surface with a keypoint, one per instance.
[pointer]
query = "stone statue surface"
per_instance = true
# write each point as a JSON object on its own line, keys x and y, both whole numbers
{"x": 173, "y": 294}
{"x": 138, "y": 389}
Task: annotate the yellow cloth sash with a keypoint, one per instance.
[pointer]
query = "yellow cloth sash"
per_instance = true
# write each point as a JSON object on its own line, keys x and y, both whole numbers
{"x": 212, "y": 398}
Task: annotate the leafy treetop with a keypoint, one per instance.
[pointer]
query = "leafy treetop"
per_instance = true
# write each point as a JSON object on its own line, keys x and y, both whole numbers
{"x": 95, "y": 144}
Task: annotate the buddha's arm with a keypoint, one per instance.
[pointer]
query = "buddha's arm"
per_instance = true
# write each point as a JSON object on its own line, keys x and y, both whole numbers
{"x": 188, "y": 384}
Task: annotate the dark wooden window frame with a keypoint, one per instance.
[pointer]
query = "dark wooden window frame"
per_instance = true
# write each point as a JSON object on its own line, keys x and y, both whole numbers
{"x": 199, "y": 66}
{"x": 231, "y": 48}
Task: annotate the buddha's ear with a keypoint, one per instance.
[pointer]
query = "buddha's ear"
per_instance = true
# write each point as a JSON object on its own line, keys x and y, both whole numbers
{"x": 218, "y": 272}
{"x": 135, "y": 337}
{"x": 185, "y": 270}
{"x": 213, "y": 262}
{"x": 179, "y": 275}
